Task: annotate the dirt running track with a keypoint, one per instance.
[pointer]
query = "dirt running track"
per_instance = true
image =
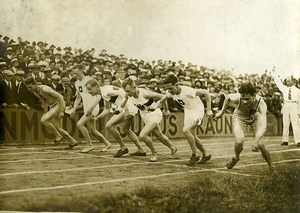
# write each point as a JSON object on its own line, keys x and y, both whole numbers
{"x": 50, "y": 174}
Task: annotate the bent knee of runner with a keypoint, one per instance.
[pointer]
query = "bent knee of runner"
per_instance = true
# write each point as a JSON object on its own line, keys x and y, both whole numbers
{"x": 126, "y": 131}
{"x": 80, "y": 124}
{"x": 185, "y": 130}
{"x": 44, "y": 121}
{"x": 261, "y": 146}
{"x": 143, "y": 136}
{"x": 239, "y": 141}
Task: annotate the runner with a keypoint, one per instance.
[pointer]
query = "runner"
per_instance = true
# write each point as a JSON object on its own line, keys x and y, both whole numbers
{"x": 251, "y": 110}
{"x": 142, "y": 99}
{"x": 51, "y": 118}
{"x": 90, "y": 108}
{"x": 114, "y": 99}
{"x": 188, "y": 98}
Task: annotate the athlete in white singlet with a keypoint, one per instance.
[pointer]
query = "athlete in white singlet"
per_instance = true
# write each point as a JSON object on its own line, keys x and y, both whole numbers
{"x": 188, "y": 98}
{"x": 251, "y": 110}
{"x": 143, "y": 99}
{"x": 90, "y": 108}
{"x": 123, "y": 110}
{"x": 52, "y": 117}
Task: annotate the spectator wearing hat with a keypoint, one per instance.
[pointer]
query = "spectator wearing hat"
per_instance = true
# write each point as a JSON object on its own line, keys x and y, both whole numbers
{"x": 14, "y": 63}
{"x": 7, "y": 89}
{"x": 121, "y": 76}
{"x": 3, "y": 66}
{"x": 34, "y": 71}
{"x": 56, "y": 85}
{"x": 24, "y": 98}
{"x": 153, "y": 85}
{"x": 68, "y": 92}
{"x": 47, "y": 80}
{"x": 8, "y": 56}
{"x": 99, "y": 78}
{"x": 107, "y": 75}
{"x": 276, "y": 104}
{"x": 6, "y": 41}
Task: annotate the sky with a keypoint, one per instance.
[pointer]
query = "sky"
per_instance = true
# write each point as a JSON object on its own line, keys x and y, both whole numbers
{"x": 245, "y": 36}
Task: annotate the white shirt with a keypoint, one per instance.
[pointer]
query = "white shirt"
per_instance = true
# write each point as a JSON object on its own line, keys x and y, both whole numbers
{"x": 285, "y": 90}
{"x": 188, "y": 98}
{"x": 87, "y": 98}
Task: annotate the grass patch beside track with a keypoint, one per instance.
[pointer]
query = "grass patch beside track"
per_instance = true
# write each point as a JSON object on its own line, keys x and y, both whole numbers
{"x": 209, "y": 192}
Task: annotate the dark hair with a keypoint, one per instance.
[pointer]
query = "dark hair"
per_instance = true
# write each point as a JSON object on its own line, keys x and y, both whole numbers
{"x": 171, "y": 78}
{"x": 128, "y": 81}
{"x": 29, "y": 80}
{"x": 247, "y": 88}
{"x": 92, "y": 82}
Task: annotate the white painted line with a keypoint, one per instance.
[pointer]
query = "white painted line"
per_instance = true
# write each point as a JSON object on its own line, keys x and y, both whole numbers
{"x": 42, "y": 159}
{"x": 122, "y": 179}
{"x": 88, "y": 155}
{"x": 235, "y": 173}
{"x": 74, "y": 169}
{"x": 136, "y": 162}
{"x": 207, "y": 142}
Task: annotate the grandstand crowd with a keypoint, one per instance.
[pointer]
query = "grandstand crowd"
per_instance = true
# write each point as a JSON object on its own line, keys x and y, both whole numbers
{"x": 52, "y": 65}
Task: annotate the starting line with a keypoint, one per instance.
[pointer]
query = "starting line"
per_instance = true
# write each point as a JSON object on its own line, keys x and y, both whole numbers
{"x": 137, "y": 162}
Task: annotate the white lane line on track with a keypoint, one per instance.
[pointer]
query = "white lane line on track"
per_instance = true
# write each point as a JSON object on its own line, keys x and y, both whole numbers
{"x": 43, "y": 159}
{"x": 235, "y": 173}
{"x": 207, "y": 142}
{"x": 49, "y": 151}
{"x": 128, "y": 179}
{"x": 134, "y": 162}
{"x": 87, "y": 155}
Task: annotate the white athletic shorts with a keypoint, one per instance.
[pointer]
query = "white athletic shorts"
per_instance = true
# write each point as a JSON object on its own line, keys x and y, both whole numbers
{"x": 191, "y": 115}
{"x": 151, "y": 116}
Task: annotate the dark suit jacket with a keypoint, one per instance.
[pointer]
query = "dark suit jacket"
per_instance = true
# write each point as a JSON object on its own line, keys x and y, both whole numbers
{"x": 25, "y": 96}
{"x": 8, "y": 95}
{"x": 48, "y": 82}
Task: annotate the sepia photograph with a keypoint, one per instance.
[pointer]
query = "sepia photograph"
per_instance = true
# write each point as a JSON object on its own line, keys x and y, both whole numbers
{"x": 150, "y": 106}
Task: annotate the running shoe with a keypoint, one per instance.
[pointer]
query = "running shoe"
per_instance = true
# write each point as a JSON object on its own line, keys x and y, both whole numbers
{"x": 105, "y": 148}
{"x": 231, "y": 164}
{"x": 194, "y": 158}
{"x": 121, "y": 152}
{"x": 72, "y": 145}
{"x": 153, "y": 158}
{"x": 138, "y": 153}
{"x": 204, "y": 159}
{"x": 57, "y": 141}
{"x": 87, "y": 149}
{"x": 173, "y": 153}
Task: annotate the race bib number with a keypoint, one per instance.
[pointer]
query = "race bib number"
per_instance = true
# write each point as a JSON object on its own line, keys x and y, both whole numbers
{"x": 181, "y": 102}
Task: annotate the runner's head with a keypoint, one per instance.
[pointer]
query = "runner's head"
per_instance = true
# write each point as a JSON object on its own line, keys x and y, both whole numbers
{"x": 78, "y": 71}
{"x": 247, "y": 91}
{"x": 129, "y": 86}
{"x": 30, "y": 83}
{"x": 171, "y": 84}
{"x": 93, "y": 87}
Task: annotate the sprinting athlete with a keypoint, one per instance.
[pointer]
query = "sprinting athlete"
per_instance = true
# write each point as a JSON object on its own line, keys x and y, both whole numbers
{"x": 124, "y": 111}
{"x": 142, "y": 99}
{"x": 52, "y": 117}
{"x": 90, "y": 108}
{"x": 251, "y": 110}
{"x": 188, "y": 98}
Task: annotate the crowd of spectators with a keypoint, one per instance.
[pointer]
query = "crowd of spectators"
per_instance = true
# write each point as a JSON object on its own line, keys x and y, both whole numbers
{"x": 52, "y": 65}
